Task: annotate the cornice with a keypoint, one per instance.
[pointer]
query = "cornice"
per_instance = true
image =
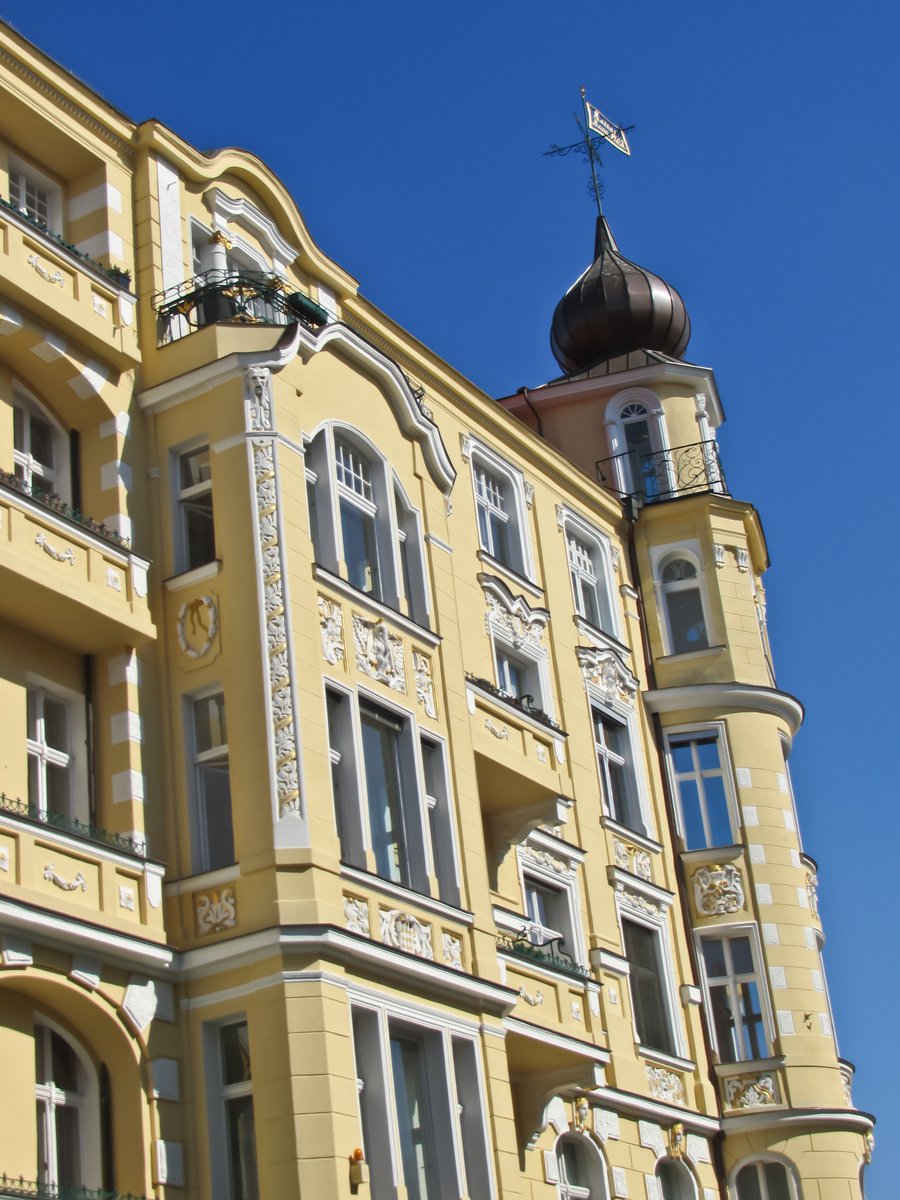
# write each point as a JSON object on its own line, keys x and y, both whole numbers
{"x": 727, "y": 697}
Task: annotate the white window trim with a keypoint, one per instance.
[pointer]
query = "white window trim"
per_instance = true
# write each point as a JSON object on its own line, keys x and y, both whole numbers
{"x": 565, "y": 884}
{"x": 750, "y": 930}
{"x": 178, "y": 494}
{"x": 767, "y": 1156}
{"x": 480, "y": 453}
{"x": 574, "y": 523}
{"x": 615, "y": 427}
{"x": 659, "y": 923}
{"x": 628, "y": 718}
{"x": 720, "y": 730}
{"x": 681, "y": 1166}
{"x": 659, "y": 556}
{"x": 49, "y": 185}
{"x": 199, "y": 848}
{"x": 78, "y": 764}
{"x": 89, "y": 1107}
{"x": 25, "y": 399}
{"x": 599, "y": 1173}
{"x": 217, "y": 1092}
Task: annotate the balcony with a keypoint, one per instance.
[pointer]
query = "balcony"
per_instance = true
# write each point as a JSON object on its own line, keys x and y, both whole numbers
{"x": 548, "y": 954}
{"x": 665, "y": 474}
{"x": 30, "y": 1189}
{"x": 232, "y": 298}
{"x": 90, "y": 833}
{"x": 66, "y": 576}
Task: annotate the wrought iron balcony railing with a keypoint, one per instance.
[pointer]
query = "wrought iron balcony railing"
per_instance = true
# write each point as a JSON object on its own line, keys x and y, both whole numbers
{"x": 120, "y": 276}
{"x": 59, "y": 508}
{"x": 525, "y": 704}
{"x": 548, "y": 954}
{"x": 30, "y": 1189}
{"x": 80, "y": 829}
{"x": 233, "y": 298}
{"x": 665, "y": 474}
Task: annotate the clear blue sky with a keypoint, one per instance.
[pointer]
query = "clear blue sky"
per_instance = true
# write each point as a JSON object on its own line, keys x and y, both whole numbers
{"x": 764, "y": 184}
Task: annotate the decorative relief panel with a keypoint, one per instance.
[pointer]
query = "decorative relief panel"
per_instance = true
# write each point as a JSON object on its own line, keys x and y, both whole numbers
{"x": 751, "y": 1091}
{"x": 257, "y": 394}
{"x": 67, "y": 555}
{"x": 126, "y": 897}
{"x": 452, "y": 948}
{"x": 605, "y": 671}
{"x": 379, "y": 652}
{"x": 406, "y": 933}
{"x": 356, "y": 915}
{"x": 532, "y": 999}
{"x": 501, "y": 732}
{"x": 424, "y": 683}
{"x": 215, "y": 911}
{"x": 630, "y": 858}
{"x": 331, "y": 622}
{"x": 812, "y": 890}
{"x": 197, "y": 626}
{"x": 67, "y": 885}
{"x": 718, "y": 889}
{"x": 544, "y": 858}
{"x": 512, "y": 616}
{"x": 4, "y": 858}
{"x": 636, "y": 901}
{"x": 665, "y": 1085}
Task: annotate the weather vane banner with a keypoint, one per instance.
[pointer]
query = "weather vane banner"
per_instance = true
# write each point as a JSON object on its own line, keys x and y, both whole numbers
{"x": 602, "y": 125}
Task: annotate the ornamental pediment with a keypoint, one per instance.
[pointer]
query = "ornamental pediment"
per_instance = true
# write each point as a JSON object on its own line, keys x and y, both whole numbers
{"x": 512, "y": 615}
{"x": 607, "y": 674}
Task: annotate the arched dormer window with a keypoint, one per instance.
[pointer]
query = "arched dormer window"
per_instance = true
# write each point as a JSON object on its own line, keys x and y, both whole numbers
{"x": 40, "y": 448}
{"x": 580, "y": 1170}
{"x": 362, "y": 524}
{"x": 673, "y": 1181}
{"x": 682, "y": 600}
{"x": 67, "y": 1095}
{"x": 765, "y": 1180}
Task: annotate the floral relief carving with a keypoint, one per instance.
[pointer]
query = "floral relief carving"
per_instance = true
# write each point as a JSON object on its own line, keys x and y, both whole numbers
{"x": 67, "y": 885}
{"x": 424, "y": 683}
{"x": 379, "y": 653}
{"x": 56, "y": 277}
{"x": 629, "y": 858}
{"x": 403, "y": 931}
{"x": 356, "y": 915}
{"x": 605, "y": 671}
{"x": 215, "y": 911}
{"x": 452, "y": 948}
{"x": 512, "y": 616}
{"x": 67, "y": 555}
{"x": 197, "y": 625}
{"x": 331, "y": 621}
{"x": 545, "y": 859}
{"x": 665, "y": 1085}
{"x": 636, "y": 901}
{"x": 501, "y": 732}
{"x": 126, "y": 897}
{"x": 718, "y": 889}
{"x": 751, "y": 1091}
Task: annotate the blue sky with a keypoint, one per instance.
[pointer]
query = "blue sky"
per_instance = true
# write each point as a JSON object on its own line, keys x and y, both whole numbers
{"x": 764, "y": 184}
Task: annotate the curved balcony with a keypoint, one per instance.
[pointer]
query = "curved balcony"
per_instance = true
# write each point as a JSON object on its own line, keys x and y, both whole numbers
{"x": 665, "y": 474}
{"x": 233, "y": 298}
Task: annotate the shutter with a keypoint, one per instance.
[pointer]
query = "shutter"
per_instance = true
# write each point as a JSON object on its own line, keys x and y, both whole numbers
{"x": 647, "y": 997}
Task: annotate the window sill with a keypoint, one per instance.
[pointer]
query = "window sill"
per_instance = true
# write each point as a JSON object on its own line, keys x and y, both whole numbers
{"x": 703, "y": 854}
{"x": 485, "y": 688}
{"x": 601, "y": 636}
{"x": 329, "y": 579}
{"x": 632, "y": 835}
{"x": 747, "y": 1066}
{"x": 523, "y": 581}
{"x": 674, "y": 1061}
{"x": 687, "y": 655}
{"x": 396, "y": 891}
{"x": 186, "y": 579}
{"x": 203, "y": 879}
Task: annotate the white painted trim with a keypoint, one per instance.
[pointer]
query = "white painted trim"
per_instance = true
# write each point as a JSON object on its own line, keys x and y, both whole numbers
{"x": 726, "y": 698}
{"x": 226, "y": 208}
{"x": 841, "y": 1119}
{"x": 329, "y": 579}
{"x": 559, "y": 1041}
{"x": 632, "y": 1104}
{"x": 186, "y": 579}
{"x": 54, "y": 929}
{"x": 206, "y": 879}
{"x": 375, "y": 883}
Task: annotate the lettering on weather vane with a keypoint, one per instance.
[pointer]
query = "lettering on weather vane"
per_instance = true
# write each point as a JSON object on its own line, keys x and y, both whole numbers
{"x": 595, "y": 130}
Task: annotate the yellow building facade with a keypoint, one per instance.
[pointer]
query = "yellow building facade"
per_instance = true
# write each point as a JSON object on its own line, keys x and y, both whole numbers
{"x": 395, "y": 797}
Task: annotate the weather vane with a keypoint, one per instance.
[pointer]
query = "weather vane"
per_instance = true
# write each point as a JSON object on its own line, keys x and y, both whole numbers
{"x": 595, "y": 130}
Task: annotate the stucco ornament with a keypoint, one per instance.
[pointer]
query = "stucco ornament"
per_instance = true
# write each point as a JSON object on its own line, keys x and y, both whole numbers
{"x": 636, "y": 901}
{"x": 67, "y": 885}
{"x": 452, "y": 947}
{"x": 582, "y": 1121}
{"x": 751, "y": 1091}
{"x": 356, "y": 915}
{"x": 197, "y": 626}
{"x": 604, "y": 670}
{"x": 67, "y": 555}
{"x": 403, "y": 931}
{"x": 379, "y": 653}
{"x": 665, "y": 1085}
{"x": 140, "y": 1003}
{"x": 424, "y": 683}
{"x": 331, "y": 622}
{"x": 215, "y": 911}
{"x": 812, "y": 890}
{"x": 718, "y": 889}
{"x": 512, "y": 616}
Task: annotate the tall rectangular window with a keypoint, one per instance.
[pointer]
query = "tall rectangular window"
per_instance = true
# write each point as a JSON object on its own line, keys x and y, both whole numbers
{"x": 195, "y": 503}
{"x": 49, "y": 746}
{"x": 700, "y": 782}
{"x": 26, "y": 194}
{"x": 615, "y": 763}
{"x": 214, "y": 846}
{"x": 236, "y": 1099}
{"x": 735, "y": 1003}
{"x": 589, "y": 586}
{"x": 384, "y": 786}
{"x": 357, "y": 511}
{"x": 415, "y": 1124}
{"x": 648, "y": 992}
{"x": 440, "y": 822}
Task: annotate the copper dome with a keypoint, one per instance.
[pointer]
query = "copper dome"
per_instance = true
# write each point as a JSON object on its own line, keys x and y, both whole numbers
{"x": 616, "y": 307}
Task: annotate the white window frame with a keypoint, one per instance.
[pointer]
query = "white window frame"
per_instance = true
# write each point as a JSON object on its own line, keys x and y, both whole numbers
{"x": 38, "y": 178}
{"x": 626, "y": 720}
{"x": 87, "y": 1104}
{"x": 218, "y": 1093}
{"x": 532, "y": 666}
{"x": 74, "y": 757}
{"x": 25, "y": 465}
{"x": 718, "y": 730}
{"x": 183, "y": 494}
{"x": 727, "y": 933}
{"x": 512, "y": 481}
{"x": 616, "y": 423}
{"x": 687, "y": 1185}
{"x": 760, "y": 1160}
{"x": 601, "y": 573}
{"x": 463, "y": 1136}
{"x": 597, "y": 1187}
{"x": 564, "y": 886}
{"x": 217, "y": 756}
{"x": 324, "y": 494}
{"x": 660, "y": 557}
{"x": 659, "y": 925}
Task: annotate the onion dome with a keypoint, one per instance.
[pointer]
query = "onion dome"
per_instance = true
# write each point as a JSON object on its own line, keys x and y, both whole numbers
{"x": 614, "y": 308}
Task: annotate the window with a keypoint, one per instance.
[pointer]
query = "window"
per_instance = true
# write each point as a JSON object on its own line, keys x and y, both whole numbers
{"x": 547, "y": 909}
{"x": 700, "y": 783}
{"x": 68, "y": 1112}
{"x": 420, "y": 1102}
{"x": 764, "y": 1181}
{"x": 683, "y": 605}
{"x": 360, "y": 517}
{"x": 214, "y": 838}
{"x": 648, "y": 992}
{"x": 40, "y": 449}
{"x": 590, "y": 587}
{"x": 735, "y": 1005}
{"x": 34, "y": 194}
{"x": 519, "y": 676}
{"x": 501, "y": 518}
{"x": 232, "y": 1124}
{"x": 579, "y": 1170}
{"x": 55, "y": 743}
{"x": 195, "y": 502}
{"x": 615, "y": 763}
{"x": 673, "y": 1181}
{"x": 393, "y": 796}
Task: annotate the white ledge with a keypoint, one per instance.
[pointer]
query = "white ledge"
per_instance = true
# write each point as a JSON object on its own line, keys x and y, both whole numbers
{"x": 727, "y": 697}
{"x": 377, "y": 607}
{"x": 186, "y": 579}
{"x": 384, "y": 887}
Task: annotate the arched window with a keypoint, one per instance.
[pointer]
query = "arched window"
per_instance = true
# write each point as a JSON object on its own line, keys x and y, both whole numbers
{"x": 40, "y": 449}
{"x": 580, "y": 1170}
{"x": 68, "y": 1112}
{"x": 683, "y": 604}
{"x": 638, "y": 447}
{"x": 765, "y": 1181}
{"x": 674, "y": 1181}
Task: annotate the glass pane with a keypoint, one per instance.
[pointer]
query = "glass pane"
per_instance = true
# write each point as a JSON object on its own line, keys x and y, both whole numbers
{"x": 195, "y": 468}
{"x": 776, "y": 1181}
{"x": 199, "y": 530}
{"x": 235, "y": 1047}
{"x": 380, "y": 756}
{"x": 694, "y": 833}
{"x": 708, "y": 754}
{"x": 215, "y": 800}
{"x": 43, "y": 1166}
{"x": 68, "y": 1157}
{"x": 714, "y": 957}
{"x": 500, "y": 539}
{"x": 751, "y": 1017}
{"x": 64, "y": 1064}
{"x": 42, "y": 441}
{"x": 413, "y": 1123}
{"x": 723, "y": 1023}
{"x": 33, "y": 713}
{"x": 210, "y": 729}
{"x": 57, "y": 783}
{"x": 56, "y": 723}
{"x": 717, "y": 813}
{"x": 35, "y": 799}
{"x": 358, "y": 530}
{"x": 242, "y": 1148}
{"x": 573, "y": 1161}
{"x": 682, "y": 758}
{"x": 741, "y": 956}
{"x": 748, "y": 1183}
{"x": 19, "y": 429}
{"x": 686, "y": 621}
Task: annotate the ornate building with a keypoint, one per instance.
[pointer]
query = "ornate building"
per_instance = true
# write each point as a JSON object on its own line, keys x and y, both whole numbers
{"x": 395, "y": 786}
